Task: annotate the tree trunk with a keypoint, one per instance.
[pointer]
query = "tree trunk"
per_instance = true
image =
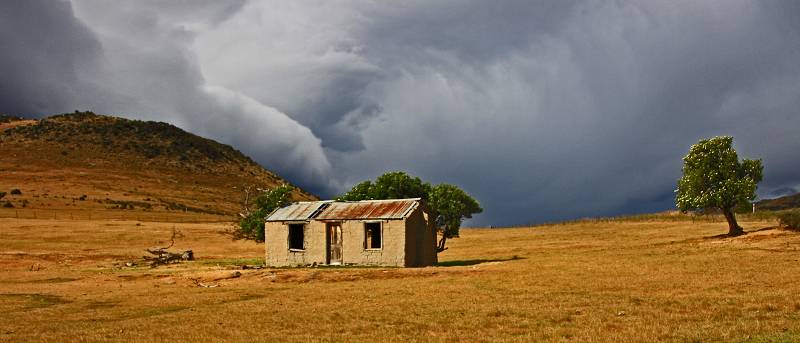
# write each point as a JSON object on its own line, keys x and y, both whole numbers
{"x": 441, "y": 247}
{"x": 733, "y": 227}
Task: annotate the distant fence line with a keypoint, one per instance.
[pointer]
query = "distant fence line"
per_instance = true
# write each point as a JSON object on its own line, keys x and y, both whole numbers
{"x": 652, "y": 217}
{"x": 184, "y": 217}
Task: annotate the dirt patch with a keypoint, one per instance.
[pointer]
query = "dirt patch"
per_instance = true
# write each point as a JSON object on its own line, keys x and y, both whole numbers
{"x": 28, "y": 301}
{"x": 55, "y": 280}
{"x": 51, "y": 257}
{"x": 242, "y": 298}
{"x": 96, "y": 305}
{"x": 149, "y": 312}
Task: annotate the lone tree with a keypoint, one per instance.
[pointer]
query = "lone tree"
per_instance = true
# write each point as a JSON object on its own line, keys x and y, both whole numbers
{"x": 713, "y": 177}
{"x": 251, "y": 223}
{"x": 450, "y": 204}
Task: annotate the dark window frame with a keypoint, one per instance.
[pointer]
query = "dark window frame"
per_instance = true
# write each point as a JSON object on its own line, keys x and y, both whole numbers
{"x": 370, "y": 238}
{"x": 302, "y": 236}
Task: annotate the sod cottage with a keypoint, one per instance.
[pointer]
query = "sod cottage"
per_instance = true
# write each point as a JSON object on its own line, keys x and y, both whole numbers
{"x": 395, "y": 232}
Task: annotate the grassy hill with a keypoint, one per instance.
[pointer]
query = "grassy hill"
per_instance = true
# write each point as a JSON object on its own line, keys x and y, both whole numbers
{"x": 82, "y": 161}
{"x": 778, "y": 204}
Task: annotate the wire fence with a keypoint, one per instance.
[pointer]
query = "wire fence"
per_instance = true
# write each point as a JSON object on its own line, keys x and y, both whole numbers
{"x": 86, "y": 214}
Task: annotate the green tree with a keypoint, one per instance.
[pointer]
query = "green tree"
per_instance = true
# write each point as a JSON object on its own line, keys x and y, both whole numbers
{"x": 452, "y": 205}
{"x": 361, "y": 191}
{"x": 251, "y": 224}
{"x": 449, "y": 204}
{"x": 393, "y": 185}
{"x": 713, "y": 177}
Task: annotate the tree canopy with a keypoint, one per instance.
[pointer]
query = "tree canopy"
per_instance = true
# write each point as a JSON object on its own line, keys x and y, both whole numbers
{"x": 251, "y": 224}
{"x": 392, "y": 185}
{"x": 713, "y": 177}
{"x": 450, "y": 205}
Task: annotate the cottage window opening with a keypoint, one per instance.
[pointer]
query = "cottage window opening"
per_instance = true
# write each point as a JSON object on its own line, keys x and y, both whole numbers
{"x": 373, "y": 236}
{"x": 297, "y": 237}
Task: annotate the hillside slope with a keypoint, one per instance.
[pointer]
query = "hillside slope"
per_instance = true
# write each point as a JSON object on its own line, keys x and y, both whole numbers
{"x": 782, "y": 203}
{"x": 101, "y": 163}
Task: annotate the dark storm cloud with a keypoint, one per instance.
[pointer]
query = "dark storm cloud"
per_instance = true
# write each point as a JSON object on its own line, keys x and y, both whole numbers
{"x": 136, "y": 61}
{"x": 587, "y": 115}
{"x": 542, "y": 110}
{"x": 44, "y": 54}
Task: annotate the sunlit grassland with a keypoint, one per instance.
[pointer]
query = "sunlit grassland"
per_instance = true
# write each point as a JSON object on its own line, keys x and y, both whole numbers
{"x": 587, "y": 281}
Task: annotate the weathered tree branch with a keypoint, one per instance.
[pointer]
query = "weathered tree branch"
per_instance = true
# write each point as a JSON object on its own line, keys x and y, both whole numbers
{"x": 163, "y": 256}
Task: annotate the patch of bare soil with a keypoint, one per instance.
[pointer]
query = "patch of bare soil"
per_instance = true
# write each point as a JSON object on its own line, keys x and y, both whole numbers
{"x": 769, "y": 238}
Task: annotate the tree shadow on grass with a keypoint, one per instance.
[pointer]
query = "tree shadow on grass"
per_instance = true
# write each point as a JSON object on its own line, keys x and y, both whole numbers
{"x": 725, "y": 235}
{"x": 476, "y": 261}
{"x": 714, "y": 237}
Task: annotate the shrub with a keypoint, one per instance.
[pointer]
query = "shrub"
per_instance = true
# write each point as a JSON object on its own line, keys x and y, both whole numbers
{"x": 790, "y": 219}
{"x": 8, "y": 204}
{"x": 16, "y": 191}
{"x": 2, "y": 194}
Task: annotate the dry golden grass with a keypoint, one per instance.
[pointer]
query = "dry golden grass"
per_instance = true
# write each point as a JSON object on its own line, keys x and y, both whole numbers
{"x": 582, "y": 282}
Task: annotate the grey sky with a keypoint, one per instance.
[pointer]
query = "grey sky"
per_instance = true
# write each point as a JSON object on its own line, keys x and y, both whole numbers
{"x": 542, "y": 110}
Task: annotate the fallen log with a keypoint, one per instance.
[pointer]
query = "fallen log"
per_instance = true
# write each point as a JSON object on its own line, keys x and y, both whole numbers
{"x": 164, "y": 256}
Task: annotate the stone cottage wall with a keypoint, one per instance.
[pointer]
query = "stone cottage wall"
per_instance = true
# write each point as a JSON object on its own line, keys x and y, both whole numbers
{"x": 276, "y": 240}
{"x": 420, "y": 240}
{"x": 392, "y": 253}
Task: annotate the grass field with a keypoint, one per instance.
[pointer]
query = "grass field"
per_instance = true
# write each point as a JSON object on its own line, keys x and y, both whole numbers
{"x": 66, "y": 280}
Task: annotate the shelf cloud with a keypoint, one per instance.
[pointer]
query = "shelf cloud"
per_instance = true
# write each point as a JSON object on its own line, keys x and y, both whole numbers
{"x": 541, "y": 110}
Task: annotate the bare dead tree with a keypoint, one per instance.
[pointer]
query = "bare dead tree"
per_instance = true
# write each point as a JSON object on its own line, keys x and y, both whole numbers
{"x": 163, "y": 256}
{"x": 246, "y": 205}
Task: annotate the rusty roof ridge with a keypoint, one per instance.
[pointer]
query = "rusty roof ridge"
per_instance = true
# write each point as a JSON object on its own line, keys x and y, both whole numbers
{"x": 410, "y": 209}
{"x": 380, "y": 200}
{"x": 320, "y": 209}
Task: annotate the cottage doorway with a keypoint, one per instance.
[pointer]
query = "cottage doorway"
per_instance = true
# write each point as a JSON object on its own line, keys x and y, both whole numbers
{"x": 335, "y": 243}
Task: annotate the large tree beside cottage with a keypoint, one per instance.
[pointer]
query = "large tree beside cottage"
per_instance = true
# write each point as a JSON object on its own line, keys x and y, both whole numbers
{"x": 450, "y": 205}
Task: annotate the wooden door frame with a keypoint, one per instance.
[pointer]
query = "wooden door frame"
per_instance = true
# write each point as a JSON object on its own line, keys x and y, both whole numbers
{"x": 328, "y": 242}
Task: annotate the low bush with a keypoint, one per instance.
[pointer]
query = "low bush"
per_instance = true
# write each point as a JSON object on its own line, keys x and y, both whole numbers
{"x": 790, "y": 219}
{"x": 16, "y": 191}
{"x": 8, "y": 204}
{"x": 2, "y": 194}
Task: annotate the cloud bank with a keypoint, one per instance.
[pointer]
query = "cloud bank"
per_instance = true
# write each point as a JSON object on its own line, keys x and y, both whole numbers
{"x": 542, "y": 111}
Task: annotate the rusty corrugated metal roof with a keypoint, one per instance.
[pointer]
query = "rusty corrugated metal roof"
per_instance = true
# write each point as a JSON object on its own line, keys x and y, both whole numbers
{"x": 368, "y": 209}
{"x": 303, "y": 210}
